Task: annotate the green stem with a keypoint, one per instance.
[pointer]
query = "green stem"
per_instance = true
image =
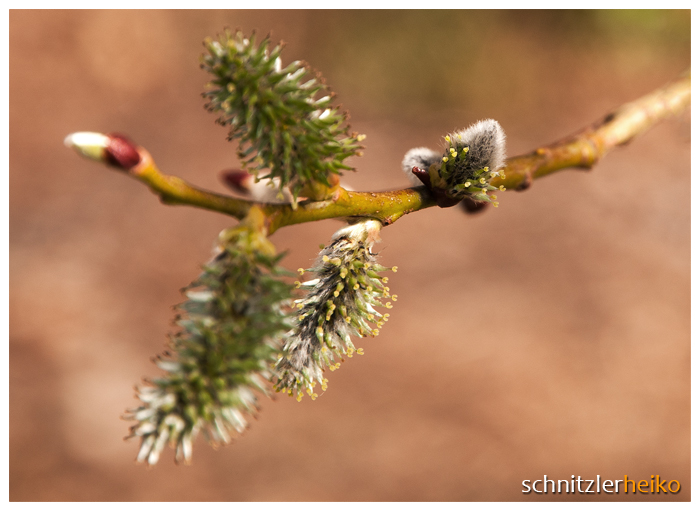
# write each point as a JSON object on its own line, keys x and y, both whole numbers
{"x": 581, "y": 150}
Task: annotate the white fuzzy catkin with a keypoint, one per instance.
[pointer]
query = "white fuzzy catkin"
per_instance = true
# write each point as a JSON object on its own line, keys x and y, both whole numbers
{"x": 486, "y": 141}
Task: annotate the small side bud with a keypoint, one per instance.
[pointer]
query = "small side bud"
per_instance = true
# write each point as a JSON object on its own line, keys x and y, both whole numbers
{"x": 112, "y": 149}
{"x": 237, "y": 180}
{"x": 261, "y": 190}
{"x": 420, "y": 157}
{"x": 470, "y": 206}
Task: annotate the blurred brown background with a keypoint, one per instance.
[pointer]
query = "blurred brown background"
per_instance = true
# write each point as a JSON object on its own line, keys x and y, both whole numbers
{"x": 548, "y": 336}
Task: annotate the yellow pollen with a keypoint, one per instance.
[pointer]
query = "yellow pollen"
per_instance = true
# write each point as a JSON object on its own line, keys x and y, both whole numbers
{"x": 347, "y": 319}
{"x": 301, "y": 271}
{"x": 388, "y": 305}
{"x": 385, "y": 280}
{"x": 375, "y": 332}
{"x": 326, "y": 258}
{"x": 502, "y": 188}
{"x": 299, "y": 396}
{"x": 297, "y": 284}
{"x": 444, "y": 158}
{"x": 495, "y": 204}
{"x": 314, "y": 396}
{"x": 467, "y": 184}
{"x": 486, "y": 169}
{"x": 356, "y": 287}
{"x": 466, "y": 149}
{"x": 494, "y": 196}
{"x": 395, "y": 269}
{"x": 360, "y": 138}
{"x": 484, "y": 190}
{"x": 300, "y": 305}
{"x": 482, "y": 181}
{"x": 447, "y": 138}
{"x": 394, "y": 297}
{"x": 386, "y": 316}
{"x": 380, "y": 323}
{"x": 336, "y": 293}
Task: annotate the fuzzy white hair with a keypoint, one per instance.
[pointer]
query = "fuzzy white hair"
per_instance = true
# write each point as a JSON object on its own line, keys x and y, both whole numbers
{"x": 486, "y": 141}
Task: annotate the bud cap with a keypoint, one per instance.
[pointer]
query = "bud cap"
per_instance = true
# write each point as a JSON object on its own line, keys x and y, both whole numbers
{"x": 88, "y": 144}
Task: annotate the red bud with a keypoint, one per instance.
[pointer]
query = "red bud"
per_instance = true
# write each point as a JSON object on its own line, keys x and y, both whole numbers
{"x": 121, "y": 152}
{"x": 237, "y": 180}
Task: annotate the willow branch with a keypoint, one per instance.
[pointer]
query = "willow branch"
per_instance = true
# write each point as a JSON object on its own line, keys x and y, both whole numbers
{"x": 584, "y": 149}
{"x": 581, "y": 150}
